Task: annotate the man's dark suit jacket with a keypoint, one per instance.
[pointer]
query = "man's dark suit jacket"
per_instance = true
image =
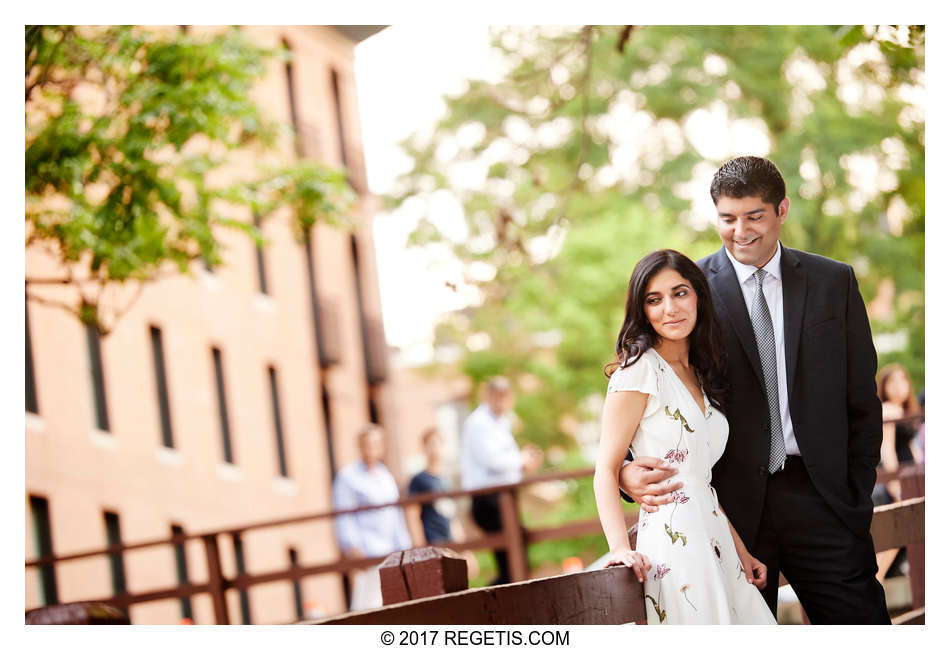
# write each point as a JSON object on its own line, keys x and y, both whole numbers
{"x": 830, "y": 365}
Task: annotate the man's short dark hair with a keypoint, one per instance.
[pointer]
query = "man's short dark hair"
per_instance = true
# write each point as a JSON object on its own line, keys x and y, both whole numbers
{"x": 749, "y": 176}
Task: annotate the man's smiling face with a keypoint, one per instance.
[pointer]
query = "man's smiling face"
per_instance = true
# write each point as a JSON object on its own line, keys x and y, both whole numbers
{"x": 749, "y": 228}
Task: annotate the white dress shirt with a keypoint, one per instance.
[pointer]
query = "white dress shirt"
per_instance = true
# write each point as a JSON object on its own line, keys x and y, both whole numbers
{"x": 372, "y": 532}
{"x": 489, "y": 454}
{"x": 772, "y": 288}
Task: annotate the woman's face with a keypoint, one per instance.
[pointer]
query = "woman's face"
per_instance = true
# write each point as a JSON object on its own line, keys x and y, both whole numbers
{"x": 670, "y": 305}
{"x": 896, "y": 387}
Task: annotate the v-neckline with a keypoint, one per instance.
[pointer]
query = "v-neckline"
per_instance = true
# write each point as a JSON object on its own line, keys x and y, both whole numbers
{"x": 704, "y": 409}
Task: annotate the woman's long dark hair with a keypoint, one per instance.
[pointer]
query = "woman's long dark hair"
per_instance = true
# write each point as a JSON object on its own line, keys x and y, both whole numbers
{"x": 705, "y": 341}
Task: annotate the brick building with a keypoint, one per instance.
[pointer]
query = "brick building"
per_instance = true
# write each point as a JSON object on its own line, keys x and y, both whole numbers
{"x": 220, "y": 399}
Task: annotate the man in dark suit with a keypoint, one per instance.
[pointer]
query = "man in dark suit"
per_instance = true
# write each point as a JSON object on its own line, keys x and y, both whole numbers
{"x": 804, "y": 442}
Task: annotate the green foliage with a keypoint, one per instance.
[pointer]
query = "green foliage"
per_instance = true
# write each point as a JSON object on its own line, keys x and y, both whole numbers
{"x": 587, "y": 147}
{"x": 124, "y": 130}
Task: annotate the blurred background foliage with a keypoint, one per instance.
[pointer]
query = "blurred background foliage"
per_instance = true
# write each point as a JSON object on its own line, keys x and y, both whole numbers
{"x": 128, "y": 135}
{"x": 597, "y": 145}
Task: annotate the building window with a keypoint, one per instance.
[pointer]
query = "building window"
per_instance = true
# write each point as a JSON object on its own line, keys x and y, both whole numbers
{"x": 278, "y": 427}
{"x": 373, "y": 410}
{"x": 328, "y": 427}
{"x": 291, "y": 97}
{"x": 43, "y": 543}
{"x": 259, "y": 254}
{"x": 326, "y": 325}
{"x": 222, "y": 407}
{"x": 371, "y": 329}
{"x": 32, "y": 405}
{"x": 181, "y": 571}
{"x": 161, "y": 385}
{"x": 93, "y": 343}
{"x": 298, "y": 595}
{"x": 116, "y": 563}
{"x": 358, "y": 284}
{"x": 241, "y": 570}
{"x": 338, "y": 110}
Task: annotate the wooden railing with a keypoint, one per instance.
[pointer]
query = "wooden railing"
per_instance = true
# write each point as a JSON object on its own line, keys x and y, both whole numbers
{"x": 514, "y": 537}
{"x": 601, "y": 597}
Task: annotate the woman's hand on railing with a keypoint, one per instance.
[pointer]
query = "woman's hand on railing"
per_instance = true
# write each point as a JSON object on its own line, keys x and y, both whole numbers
{"x": 626, "y": 557}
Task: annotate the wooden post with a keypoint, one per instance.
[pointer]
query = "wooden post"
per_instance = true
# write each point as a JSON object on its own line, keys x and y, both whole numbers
{"x": 422, "y": 572}
{"x": 514, "y": 535}
{"x": 912, "y": 485}
{"x": 215, "y": 579}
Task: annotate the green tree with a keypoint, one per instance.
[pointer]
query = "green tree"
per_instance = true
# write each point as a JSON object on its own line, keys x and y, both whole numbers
{"x": 126, "y": 129}
{"x": 588, "y": 154}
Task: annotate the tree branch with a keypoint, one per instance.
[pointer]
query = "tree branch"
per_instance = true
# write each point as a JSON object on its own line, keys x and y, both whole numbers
{"x": 52, "y": 303}
{"x": 41, "y": 78}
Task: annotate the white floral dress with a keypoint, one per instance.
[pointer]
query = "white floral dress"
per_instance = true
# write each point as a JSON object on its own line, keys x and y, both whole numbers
{"x": 696, "y": 575}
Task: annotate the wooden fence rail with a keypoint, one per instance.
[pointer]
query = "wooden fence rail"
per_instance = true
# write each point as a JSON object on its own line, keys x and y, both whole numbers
{"x": 514, "y": 537}
{"x": 600, "y": 597}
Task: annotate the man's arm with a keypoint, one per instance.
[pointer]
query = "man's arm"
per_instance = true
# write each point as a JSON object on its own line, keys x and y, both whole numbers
{"x": 864, "y": 407}
{"x": 641, "y": 482}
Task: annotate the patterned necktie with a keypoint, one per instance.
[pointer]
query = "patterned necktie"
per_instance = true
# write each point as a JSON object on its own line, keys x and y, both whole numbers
{"x": 765, "y": 342}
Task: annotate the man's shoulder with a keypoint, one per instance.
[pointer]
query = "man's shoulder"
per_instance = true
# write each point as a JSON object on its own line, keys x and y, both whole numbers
{"x": 816, "y": 263}
{"x": 424, "y": 482}
{"x": 710, "y": 261}
{"x": 476, "y": 417}
{"x": 348, "y": 472}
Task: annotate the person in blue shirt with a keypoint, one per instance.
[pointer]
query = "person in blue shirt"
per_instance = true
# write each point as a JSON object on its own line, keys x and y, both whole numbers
{"x": 370, "y": 533}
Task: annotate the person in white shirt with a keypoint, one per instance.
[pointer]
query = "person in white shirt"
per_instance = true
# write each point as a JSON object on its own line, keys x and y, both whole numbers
{"x": 370, "y": 533}
{"x": 490, "y": 456}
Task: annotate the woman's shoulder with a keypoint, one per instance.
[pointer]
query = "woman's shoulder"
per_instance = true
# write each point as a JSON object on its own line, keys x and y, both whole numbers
{"x": 640, "y": 375}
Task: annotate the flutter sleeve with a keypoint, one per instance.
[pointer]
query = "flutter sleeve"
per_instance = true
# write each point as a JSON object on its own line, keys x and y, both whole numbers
{"x": 641, "y": 376}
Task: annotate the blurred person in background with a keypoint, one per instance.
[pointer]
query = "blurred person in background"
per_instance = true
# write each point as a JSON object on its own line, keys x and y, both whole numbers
{"x": 371, "y": 533}
{"x": 896, "y": 393}
{"x": 434, "y": 523}
{"x": 490, "y": 456}
{"x": 898, "y": 447}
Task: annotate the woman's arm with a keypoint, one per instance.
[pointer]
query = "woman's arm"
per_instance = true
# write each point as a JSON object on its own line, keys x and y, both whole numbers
{"x": 755, "y": 571}
{"x": 889, "y": 447}
{"x": 622, "y": 413}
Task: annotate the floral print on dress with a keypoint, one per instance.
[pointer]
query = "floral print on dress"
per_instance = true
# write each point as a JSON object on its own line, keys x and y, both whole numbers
{"x": 677, "y": 455}
{"x": 717, "y": 550}
{"x": 679, "y": 498}
{"x": 661, "y": 571}
{"x": 683, "y": 591}
{"x": 683, "y": 586}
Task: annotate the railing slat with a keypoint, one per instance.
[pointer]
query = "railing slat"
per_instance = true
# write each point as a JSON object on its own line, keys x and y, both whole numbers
{"x": 604, "y": 597}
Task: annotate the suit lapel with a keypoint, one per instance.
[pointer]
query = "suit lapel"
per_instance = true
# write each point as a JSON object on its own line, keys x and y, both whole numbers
{"x": 794, "y": 288}
{"x": 725, "y": 286}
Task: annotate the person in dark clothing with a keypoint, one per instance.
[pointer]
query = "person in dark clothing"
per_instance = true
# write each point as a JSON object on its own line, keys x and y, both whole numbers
{"x": 896, "y": 392}
{"x": 435, "y": 525}
{"x": 437, "y": 519}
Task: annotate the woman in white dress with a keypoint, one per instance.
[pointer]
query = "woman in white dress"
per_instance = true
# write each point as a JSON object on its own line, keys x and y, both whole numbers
{"x": 664, "y": 399}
